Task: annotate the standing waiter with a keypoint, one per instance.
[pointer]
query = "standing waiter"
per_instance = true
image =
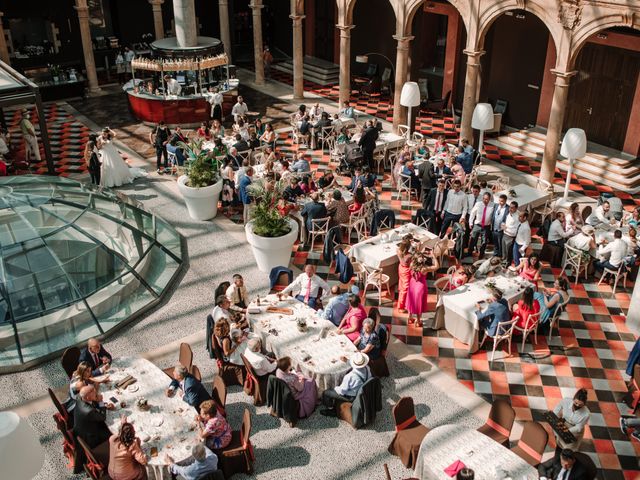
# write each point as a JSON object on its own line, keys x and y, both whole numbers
{"x": 368, "y": 143}
{"x": 159, "y": 137}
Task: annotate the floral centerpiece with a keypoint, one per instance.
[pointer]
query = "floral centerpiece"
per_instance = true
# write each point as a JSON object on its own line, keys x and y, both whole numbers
{"x": 142, "y": 404}
{"x": 301, "y": 323}
{"x": 513, "y": 193}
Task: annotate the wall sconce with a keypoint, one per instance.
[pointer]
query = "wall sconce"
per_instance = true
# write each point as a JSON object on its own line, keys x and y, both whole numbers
{"x": 520, "y": 16}
{"x": 602, "y": 35}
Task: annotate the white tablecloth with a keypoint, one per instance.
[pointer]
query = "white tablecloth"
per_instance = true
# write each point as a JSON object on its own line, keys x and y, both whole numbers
{"x": 527, "y": 197}
{"x": 168, "y": 426}
{"x": 460, "y": 305}
{"x": 227, "y": 141}
{"x": 324, "y": 366}
{"x": 387, "y": 140}
{"x": 487, "y": 458}
{"x": 377, "y": 253}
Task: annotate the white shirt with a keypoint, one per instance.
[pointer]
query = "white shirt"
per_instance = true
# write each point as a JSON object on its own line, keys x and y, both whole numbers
{"x": 577, "y": 420}
{"x": 523, "y": 235}
{"x": 239, "y": 109}
{"x": 511, "y": 224}
{"x": 236, "y": 294}
{"x": 472, "y": 200}
{"x": 129, "y": 55}
{"x": 456, "y": 203}
{"x": 557, "y": 231}
{"x": 215, "y": 98}
{"x": 475, "y": 217}
{"x": 303, "y": 282}
{"x": 218, "y": 312}
{"x": 616, "y": 250}
{"x": 3, "y": 147}
{"x": 581, "y": 242}
{"x": 259, "y": 362}
{"x": 599, "y": 216}
{"x": 352, "y": 381}
{"x": 173, "y": 87}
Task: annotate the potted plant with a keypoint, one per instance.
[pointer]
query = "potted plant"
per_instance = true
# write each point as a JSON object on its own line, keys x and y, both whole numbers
{"x": 270, "y": 235}
{"x": 202, "y": 183}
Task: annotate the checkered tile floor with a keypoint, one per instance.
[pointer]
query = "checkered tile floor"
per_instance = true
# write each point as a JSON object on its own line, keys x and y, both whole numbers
{"x": 67, "y": 136}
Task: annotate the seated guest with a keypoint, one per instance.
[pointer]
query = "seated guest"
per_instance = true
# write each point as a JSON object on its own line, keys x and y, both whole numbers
{"x": 357, "y": 180}
{"x": 217, "y": 130}
{"x": 351, "y": 384}
{"x": 327, "y": 180}
{"x": 464, "y": 143}
{"x": 262, "y": 364}
{"x": 307, "y": 185}
{"x": 462, "y": 276}
{"x": 234, "y": 159}
{"x": 89, "y": 417}
{"x": 338, "y": 209}
{"x": 490, "y": 267}
{"x": 409, "y": 170}
{"x": 529, "y": 268}
{"x": 269, "y": 135}
{"x": 343, "y": 136}
{"x": 301, "y": 165}
{"x": 573, "y": 219}
{"x": 304, "y": 129}
{"x": 347, "y": 110}
{"x": 241, "y": 145}
{"x": 359, "y": 199}
{"x": 584, "y": 241}
{"x": 231, "y": 342}
{"x": 237, "y": 294}
{"x": 213, "y": 428}
{"x": 313, "y": 210}
{"x": 126, "y": 459}
{"x": 204, "y": 131}
{"x": 612, "y": 254}
{"x": 324, "y": 122}
{"x": 221, "y": 310}
{"x": 441, "y": 145}
{"x": 193, "y": 392}
{"x": 602, "y": 215}
{"x": 303, "y": 389}
{"x": 457, "y": 171}
{"x": 368, "y": 341}
{"x": 497, "y": 311}
{"x": 292, "y": 191}
{"x": 369, "y": 178}
{"x": 201, "y": 463}
{"x": 336, "y": 307}
{"x": 466, "y": 474}
{"x": 81, "y": 378}
{"x": 627, "y": 421}
{"x": 564, "y": 466}
{"x": 575, "y": 415}
{"x": 557, "y": 231}
{"x": 525, "y": 307}
{"x": 351, "y": 323}
{"x": 552, "y": 299}
{"x": 96, "y": 356}
{"x": 241, "y": 128}
{"x": 423, "y": 149}
{"x": 219, "y": 149}
{"x": 633, "y": 219}
{"x": 309, "y": 284}
{"x": 465, "y": 159}
{"x": 253, "y": 141}
{"x": 441, "y": 170}
{"x": 284, "y": 207}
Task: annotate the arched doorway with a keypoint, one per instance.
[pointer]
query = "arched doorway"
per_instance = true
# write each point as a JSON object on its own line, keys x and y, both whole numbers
{"x": 601, "y": 95}
{"x": 513, "y": 67}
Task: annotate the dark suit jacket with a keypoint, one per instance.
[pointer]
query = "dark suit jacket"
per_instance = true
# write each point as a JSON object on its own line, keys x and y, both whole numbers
{"x": 85, "y": 356}
{"x": 430, "y": 200}
{"x": 368, "y": 139}
{"x": 551, "y": 469}
{"x": 194, "y": 391}
{"x": 94, "y": 163}
{"x": 89, "y": 423}
{"x": 312, "y": 211}
{"x": 495, "y": 313}
{"x": 427, "y": 175}
{"x": 236, "y": 162}
{"x": 241, "y": 146}
{"x": 439, "y": 173}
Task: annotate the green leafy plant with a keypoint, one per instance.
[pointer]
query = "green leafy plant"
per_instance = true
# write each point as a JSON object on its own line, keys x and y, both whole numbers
{"x": 203, "y": 169}
{"x": 267, "y": 221}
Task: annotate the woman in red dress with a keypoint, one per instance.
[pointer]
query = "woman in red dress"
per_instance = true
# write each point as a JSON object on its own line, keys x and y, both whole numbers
{"x": 526, "y": 306}
{"x": 404, "y": 273}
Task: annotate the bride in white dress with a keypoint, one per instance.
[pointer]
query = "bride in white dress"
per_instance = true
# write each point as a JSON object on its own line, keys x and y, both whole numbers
{"x": 115, "y": 171}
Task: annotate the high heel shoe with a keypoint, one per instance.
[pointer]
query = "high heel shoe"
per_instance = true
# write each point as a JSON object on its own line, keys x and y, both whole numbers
{"x": 411, "y": 321}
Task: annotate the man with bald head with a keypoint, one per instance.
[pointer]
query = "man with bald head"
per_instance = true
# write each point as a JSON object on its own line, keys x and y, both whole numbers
{"x": 89, "y": 417}
{"x": 96, "y": 356}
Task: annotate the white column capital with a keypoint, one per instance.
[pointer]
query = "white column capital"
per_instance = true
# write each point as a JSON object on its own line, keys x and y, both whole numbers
{"x": 563, "y": 78}
{"x": 345, "y": 27}
{"x": 255, "y": 6}
{"x": 297, "y": 18}
{"x": 156, "y": 2}
{"x": 223, "y": 2}
{"x": 403, "y": 42}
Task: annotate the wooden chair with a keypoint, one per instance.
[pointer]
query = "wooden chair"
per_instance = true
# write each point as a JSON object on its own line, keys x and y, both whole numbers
{"x": 380, "y": 156}
{"x": 575, "y": 259}
{"x": 319, "y": 228}
{"x": 531, "y": 326}
{"x": 622, "y": 271}
{"x": 325, "y": 134}
{"x": 499, "y": 184}
{"x": 555, "y": 318}
{"x": 403, "y": 131}
{"x": 404, "y": 186}
{"x": 64, "y": 424}
{"x": 357, "y": 223}
{"x": 500, "y": 422}
{"x": 97, "y": 459}
{"x": 70, "y": 360}
{"x": 542, "y": 211}
{"x": 504, "y": 331}
{"x": 532, "y": 443}
{"x": 195, "y": 372}
{"x": 219, "y": 392}
{"x": 254, "y": 385}
{"x": 409, "y": 433}
{"x": 377, "y": 279}
{"x": 238, "y": 457}
{"x": 441, "y": 285}
{"x": 231, "y": 374}
{"x": 185, "y": 359}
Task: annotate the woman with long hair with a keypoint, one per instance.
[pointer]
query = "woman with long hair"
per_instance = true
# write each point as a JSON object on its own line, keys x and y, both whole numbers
{"x": 352, "y": 321}
{"x": 529, "y": 268}
{"x": 573, "y": 219}
{"x": 404, "y": 273}
{"x": 551, "y": 299}
{"x": 525, "y": 307}
{"x": 359, "y": 199}
{"x": 126, "y": 459}
{"x": 417, "y": 291}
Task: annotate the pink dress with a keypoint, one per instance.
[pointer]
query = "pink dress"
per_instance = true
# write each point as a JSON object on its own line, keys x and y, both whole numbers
{"x": 304, "y": 390}
{"x": 404, "y": 273}
{"x": 354, "y": 318}
{"x": 528, "y": 272}
{"x": 417, "y": 294}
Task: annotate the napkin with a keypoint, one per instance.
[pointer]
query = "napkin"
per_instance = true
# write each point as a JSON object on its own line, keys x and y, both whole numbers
{"x": 453, "y": 469}
{"x": 253, "y": 310}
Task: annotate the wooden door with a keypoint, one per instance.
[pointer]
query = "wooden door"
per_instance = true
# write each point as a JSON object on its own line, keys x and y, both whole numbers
{"x": 324, "y": 30}
{"x": 601, "y": 93}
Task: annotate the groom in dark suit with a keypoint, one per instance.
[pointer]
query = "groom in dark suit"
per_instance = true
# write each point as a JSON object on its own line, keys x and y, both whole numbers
{"x": 564, "y": 466}
{"x": 94, "y": 163}
{"x": 89, "y": 417}
{"x": 96, "y": 356}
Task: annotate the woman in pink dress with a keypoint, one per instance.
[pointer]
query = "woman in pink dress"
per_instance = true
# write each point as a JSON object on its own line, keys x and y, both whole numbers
{"x": 351, "y": 323}
{"x": 529, "y": 268}
{"x": 417, "y": 294}
{"x": 303, "y": 389}
{"x": 404, "y": 273}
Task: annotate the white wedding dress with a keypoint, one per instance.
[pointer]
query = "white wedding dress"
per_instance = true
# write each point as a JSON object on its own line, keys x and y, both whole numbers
{"x": 115, "y": 171}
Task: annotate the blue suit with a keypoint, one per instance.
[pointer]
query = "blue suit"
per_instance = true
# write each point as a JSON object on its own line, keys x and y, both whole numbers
{"x": 245, "y": 198}
{"x": 495, "y": 313}
{"x": 466, "y": 161}
{"x": 496, "y": 232}
{"x": 194, "y": 392}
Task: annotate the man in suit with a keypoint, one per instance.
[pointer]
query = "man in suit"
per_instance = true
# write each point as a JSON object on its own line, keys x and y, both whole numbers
{"x": 241, "y": 145}
{"x": 441, "y": 170}
{"x": 234, "y": 159}
{"x": 500, "y": 212}
{"x": 357, "y": 180}
{"x": 496, "y": 312}
{"x": 96, "y": 356}
{"x": 434, "y": 204}
{"x": 427, "y": 177}
{"x": 313, "y": 210}
{"x": 89, "y": 417}
{"x": 564, "y": 467}
{"x": 368, "y": 143}
{"x": 188, "y": 387}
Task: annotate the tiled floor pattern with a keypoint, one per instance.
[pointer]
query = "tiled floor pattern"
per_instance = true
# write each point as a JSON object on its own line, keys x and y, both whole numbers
{"x": 66, "y": 134}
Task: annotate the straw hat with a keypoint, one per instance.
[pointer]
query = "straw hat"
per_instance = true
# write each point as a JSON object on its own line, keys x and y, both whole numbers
{"x": 359, "y": 360}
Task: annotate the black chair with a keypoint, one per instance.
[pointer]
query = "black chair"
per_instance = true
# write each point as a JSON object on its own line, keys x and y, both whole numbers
{"x": 217, "y": 475}
{"x": 209, "y": 336}
{"x": 363, "y": 410}
{"x": 221, "y": 289}
{"x": 70, "y": 360}
{"x": 281, "y": 401}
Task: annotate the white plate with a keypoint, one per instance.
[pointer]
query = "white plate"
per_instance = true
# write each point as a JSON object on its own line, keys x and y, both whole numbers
{"x": 158, "y": 421}
{"x": 133, "y": 388}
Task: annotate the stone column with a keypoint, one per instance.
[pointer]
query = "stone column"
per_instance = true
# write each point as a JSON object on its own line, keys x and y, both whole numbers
{"x": 298, "y": 65}
{"x": 184, "y": 12}
{"x": 345, "y": 63}
{"x": 158, "y": 25}
{"x": 4, "y": 51}
{"x": 470, "y": 92}
{"x": 556, "y": 120}
{"x": 87, "y": 47}
{"x": 225, "y": 33}
{"x": 402, "y": 75}
{"x": 633, "y": 314}
{"x": 256, "y": 6}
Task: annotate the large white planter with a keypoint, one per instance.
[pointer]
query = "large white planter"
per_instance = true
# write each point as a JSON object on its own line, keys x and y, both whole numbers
{"x": 202, "y": 203}
{"x": 271, "y": 252}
